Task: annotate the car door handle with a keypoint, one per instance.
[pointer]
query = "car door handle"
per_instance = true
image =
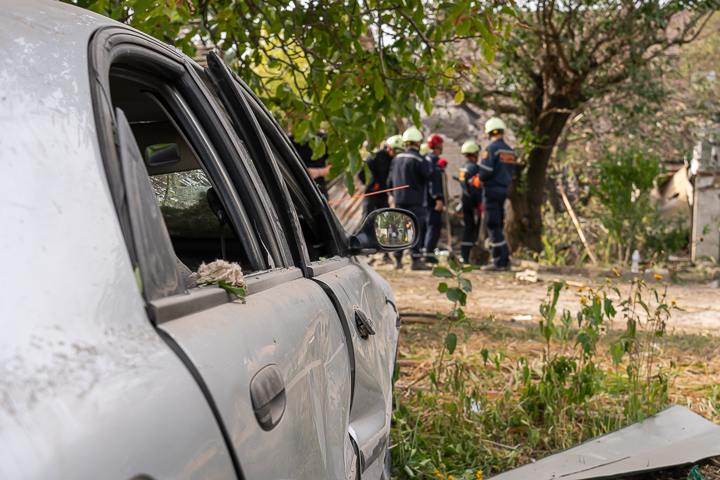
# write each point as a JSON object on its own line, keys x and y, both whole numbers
{"x": 364, "y": 323}
{"x": 267, "y": 392}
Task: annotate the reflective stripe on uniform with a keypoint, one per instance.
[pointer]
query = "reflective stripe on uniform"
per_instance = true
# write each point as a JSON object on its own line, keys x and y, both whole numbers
{"x": 498, "y": 244}
{"x": 506, "y": 151}
{"x": 486, "y": 167}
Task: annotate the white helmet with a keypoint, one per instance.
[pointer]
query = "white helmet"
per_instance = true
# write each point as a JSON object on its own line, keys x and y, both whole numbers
{"x": 469, "y": 147}
{"x": 494, "y": 125}
{"x": 395, "y": 142}
{"x": 413, "y": 135}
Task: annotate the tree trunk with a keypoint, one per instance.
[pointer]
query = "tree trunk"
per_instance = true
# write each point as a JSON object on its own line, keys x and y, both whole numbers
{"x": 523, "y": 227}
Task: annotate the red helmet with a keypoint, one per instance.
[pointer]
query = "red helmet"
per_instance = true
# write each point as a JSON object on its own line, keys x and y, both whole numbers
{"x": 442, "y": 163}
{"x": 434, "y": 140}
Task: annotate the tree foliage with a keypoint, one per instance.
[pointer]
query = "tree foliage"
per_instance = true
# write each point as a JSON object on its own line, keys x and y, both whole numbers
{"x": 353, "y": 68}
{"x": 572, "y": 52}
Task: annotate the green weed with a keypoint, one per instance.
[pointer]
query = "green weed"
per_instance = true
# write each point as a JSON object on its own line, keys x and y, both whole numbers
{"x": 484, "y": 411}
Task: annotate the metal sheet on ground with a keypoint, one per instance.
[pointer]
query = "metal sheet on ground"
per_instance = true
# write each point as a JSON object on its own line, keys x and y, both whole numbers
{"x": 675, "y": 436}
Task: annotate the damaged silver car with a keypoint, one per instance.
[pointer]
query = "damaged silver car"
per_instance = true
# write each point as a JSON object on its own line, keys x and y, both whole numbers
{"x": 125, "y": 166}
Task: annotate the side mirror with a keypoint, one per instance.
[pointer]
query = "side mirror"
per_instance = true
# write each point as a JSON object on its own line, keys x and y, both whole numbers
{"x": 386, "y": 230}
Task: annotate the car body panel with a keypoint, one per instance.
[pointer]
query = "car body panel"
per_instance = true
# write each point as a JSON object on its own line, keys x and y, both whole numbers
{"x": 357, "y": 285}
{"x": 87, "y": 387}
{"x": 295, "y": 327}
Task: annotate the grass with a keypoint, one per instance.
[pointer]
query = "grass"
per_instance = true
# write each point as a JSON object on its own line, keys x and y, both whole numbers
{"x": 477, "y": 418}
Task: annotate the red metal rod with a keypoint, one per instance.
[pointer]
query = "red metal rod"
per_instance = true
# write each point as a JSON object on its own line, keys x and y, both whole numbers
{"x": 368, "y": 194}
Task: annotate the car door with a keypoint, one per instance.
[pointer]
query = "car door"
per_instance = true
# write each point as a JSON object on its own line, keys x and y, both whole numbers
{"x": 353, "y": 287}
{"x": 275, "y": 368}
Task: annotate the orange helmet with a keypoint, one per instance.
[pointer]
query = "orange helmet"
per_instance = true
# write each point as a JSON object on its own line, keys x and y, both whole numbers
{"x": 434, "y": 140}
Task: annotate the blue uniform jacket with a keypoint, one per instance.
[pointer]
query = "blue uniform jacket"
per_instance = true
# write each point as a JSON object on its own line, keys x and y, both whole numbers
{"x": 496, "y": 166}
{"x": 410, "y": 168}
{"x": 379, "y": 169}
{"x": 435, "y": 185}
{"x": 470, "y": 192}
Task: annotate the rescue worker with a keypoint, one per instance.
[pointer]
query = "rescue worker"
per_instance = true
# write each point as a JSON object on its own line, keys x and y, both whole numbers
{"x": 411, "y": 169}
{"x": 496, "y": 173}
{"x": 434, "y": 200}
{"x": 471, "y": 186}
{"x": 318, "y": 168}
{"x": 379, "y": 165}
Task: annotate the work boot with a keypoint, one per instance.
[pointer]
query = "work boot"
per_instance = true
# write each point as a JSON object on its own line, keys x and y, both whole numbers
{"x": 398, "y": 263}
{"x": 417, "y": 264}
{"x": 386, "y": 259}
{"x": 494, "y": 268}
{"x": 432, "y": 260}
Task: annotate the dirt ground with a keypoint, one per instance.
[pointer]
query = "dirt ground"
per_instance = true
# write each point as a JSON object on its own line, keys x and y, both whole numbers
{"x": 693, "y": 344}
{"x": 505, "y": 298}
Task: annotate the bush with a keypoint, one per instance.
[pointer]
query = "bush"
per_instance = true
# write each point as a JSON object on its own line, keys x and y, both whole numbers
{"x": 622, "y": 184}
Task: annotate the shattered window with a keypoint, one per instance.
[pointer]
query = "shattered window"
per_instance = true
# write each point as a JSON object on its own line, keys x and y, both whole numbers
{"x": 194, "y": 228}
{"x": 182, "y": 197}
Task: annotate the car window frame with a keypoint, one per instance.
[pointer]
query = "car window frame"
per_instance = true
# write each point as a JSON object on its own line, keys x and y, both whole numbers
{"x": 107, "y": 46}
{"x": 246, "y": 126}
{"x": 275, "y": 136}
{"x": 182, "y": 115}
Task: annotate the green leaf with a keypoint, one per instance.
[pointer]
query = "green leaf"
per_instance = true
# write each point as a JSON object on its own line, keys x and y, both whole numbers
{"x": 379, "y": 88}
{"x": 442, "y": 272}
{"x": 463, "y": 27}
{"x": 465, "y": 284}
{"x": 349, "y": 184}
{"x": 416, "y": 118}
{"x": 239, "y": 292}
{"x": 508, "y": 11}
{"x": 442, "y": 288}
{"x": 451, "y": 342}
{"x": 456, "y": 295}
{"x": 459, "y": 97}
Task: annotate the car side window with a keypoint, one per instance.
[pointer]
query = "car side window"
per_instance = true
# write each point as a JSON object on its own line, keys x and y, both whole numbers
{"x": 194, "y": 205}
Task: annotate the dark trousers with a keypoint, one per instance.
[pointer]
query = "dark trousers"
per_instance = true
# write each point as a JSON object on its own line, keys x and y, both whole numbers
{"x": 433, "y": 224}
{"x": 470, "y": 231}
{"x": 375, "y": 202}
{"x": 419, "y": 212}
{"x": 494, "y": 205}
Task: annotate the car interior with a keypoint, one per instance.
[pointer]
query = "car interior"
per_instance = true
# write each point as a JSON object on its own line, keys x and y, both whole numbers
{"x": 193, "y": 212}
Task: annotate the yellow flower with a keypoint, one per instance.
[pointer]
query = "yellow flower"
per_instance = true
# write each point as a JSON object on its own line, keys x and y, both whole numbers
{"x": 567, "y": 286}
{"x": 479, "y": 475}
{"x": 583, "y": 300}
{"x": 580, "y": 289}
{"x": 597, "y": 298}
{"x": 673, "y": 303}
{"x": 636, "y": 279}
{"x": 615, "y": 272}
{"x": 450, "y": 477}
{"x": 607, "y": 279}
{"x": 657, "y": 277}
{"x": 437, "y": 472}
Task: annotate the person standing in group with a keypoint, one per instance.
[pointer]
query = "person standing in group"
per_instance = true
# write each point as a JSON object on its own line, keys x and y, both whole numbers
{"x": 317, "y": 168}
{"x": 434, "y": 199}
{"x": 496, "y": 172}
{"x": 471, "y": 185}
{"x": 379, "y": 165}
{"x": 411, "y": 169}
